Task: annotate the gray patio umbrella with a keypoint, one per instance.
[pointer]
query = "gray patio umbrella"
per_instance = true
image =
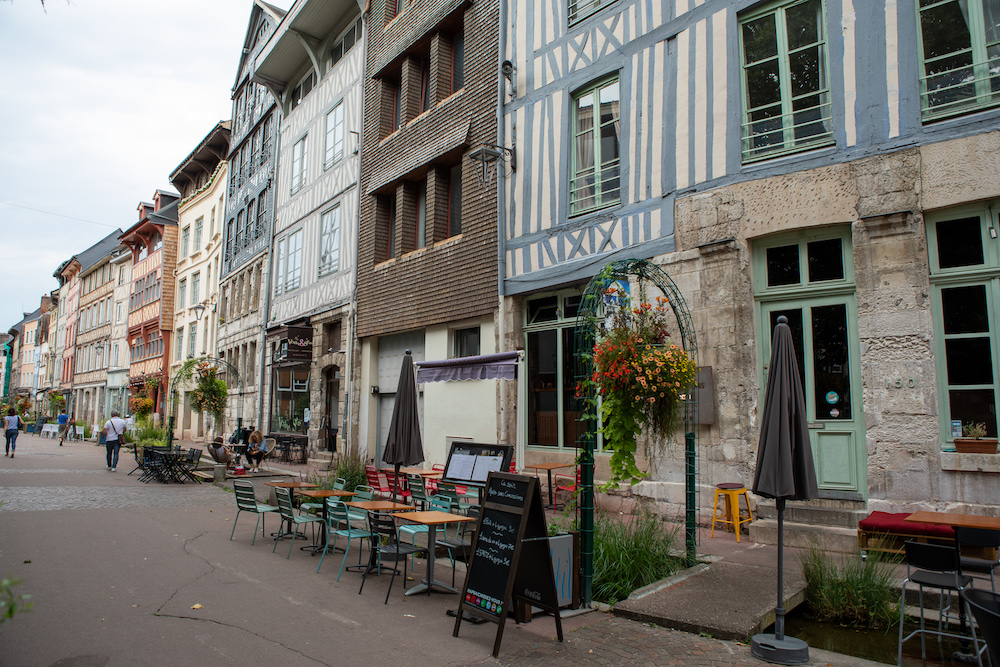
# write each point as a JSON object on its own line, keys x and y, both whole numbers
{"x": 784, "y": 471}
{"x": 404, "y": 447}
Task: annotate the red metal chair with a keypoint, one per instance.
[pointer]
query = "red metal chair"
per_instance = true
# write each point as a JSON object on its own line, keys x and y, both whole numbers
{"x": 402, "y": 489}
{"x": 566, "y": 483}
{"x": 378, "y": 482}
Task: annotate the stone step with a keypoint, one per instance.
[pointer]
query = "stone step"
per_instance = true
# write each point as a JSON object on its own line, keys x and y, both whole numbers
{"x": 819, "y": 513}
{"x": 828, "y": 538}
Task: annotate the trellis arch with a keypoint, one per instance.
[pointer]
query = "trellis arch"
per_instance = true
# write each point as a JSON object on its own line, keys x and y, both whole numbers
{"x": 185, "y": 372}
{"x": 585, "y": 335}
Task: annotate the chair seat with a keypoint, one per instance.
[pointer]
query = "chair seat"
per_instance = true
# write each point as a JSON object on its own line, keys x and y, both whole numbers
{"x": 454, "y": 544}
{"x": 970, "y": 564}
{"x": 351, "y": 533}
{"x": 942, "y": 580}
{"x": 389, "y": 552}
{"x": 261, "y": 507}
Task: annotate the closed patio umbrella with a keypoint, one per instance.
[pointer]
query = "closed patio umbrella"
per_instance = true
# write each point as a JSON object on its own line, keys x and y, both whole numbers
{"x": 784, "y": 471}
{"x": 404, "y": 447}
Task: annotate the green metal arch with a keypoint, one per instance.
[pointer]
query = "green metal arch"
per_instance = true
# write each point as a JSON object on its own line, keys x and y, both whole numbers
{"x": 184, "y": 373}
{"x": 585, "y": 335}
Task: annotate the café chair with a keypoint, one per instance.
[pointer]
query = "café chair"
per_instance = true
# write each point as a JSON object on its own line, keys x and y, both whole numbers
{"x": 397, "y": 487}
{"x": 336, "y": 512}
{"x": 377, "y": 481}
{"x": 308, "y": 508}
{"x": 418, "y": 490}
{"x": 933, "y": 566}
{"x": 449, "y": 490}
{"x": 567, "y": 483}
{"x": 246, "y": 501}
{"x": 462, "y": 543}
{"x": 386, "y": 547}
{"x": 190, "y": 464}
{"x": 361, "y": 492}
{"x": 985, "y": 539}
{"x": 137, "y": 453}
{"x": 985, "y": 606}
{"x": 293, "y": 520}
{"x": 269, "y": 446}
{"x": 437, "y": 504}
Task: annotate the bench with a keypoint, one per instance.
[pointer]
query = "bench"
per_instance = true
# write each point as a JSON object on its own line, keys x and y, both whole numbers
{"x": 887, "y": 531}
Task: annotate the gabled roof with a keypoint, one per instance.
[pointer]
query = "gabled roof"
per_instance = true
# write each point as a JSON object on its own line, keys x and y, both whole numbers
{"x": 256, "y": 14}
{"x": 98, "y": 251}
{"x": 212, "y": 150}
{"x": 167, "y": 215}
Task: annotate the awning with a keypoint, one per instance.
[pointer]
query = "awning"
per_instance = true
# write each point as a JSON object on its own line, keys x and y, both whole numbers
{"x": 501, "y": 366}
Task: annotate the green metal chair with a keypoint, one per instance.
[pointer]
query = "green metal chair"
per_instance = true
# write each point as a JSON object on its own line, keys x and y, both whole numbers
{"x": 309, "y": 508}
{"x": 364, "y": 492}
{"x": 449, "y": 490}
{"x": 293, "y": 520}
{"x": 418, "y": 490}
{"x": 246, "y": 501}
{"x": 336, "y": 512}
{"x": 438, "y": 503}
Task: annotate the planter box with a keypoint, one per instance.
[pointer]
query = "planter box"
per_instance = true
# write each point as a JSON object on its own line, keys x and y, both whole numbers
{"x": 976, "y": 446}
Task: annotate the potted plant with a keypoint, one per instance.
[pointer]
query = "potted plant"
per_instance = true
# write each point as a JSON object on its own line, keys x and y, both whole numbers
{"x": 975, "y": 440}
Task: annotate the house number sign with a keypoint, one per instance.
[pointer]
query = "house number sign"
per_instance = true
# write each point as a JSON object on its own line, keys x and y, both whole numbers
{"x": 899, "y": 383}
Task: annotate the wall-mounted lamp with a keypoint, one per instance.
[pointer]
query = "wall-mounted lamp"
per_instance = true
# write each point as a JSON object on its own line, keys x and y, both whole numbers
{"x": 199, "y": 310}
{"x": 375, "y": 391}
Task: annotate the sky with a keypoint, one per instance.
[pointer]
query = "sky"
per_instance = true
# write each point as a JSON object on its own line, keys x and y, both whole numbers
{"x": 100, "y": 100}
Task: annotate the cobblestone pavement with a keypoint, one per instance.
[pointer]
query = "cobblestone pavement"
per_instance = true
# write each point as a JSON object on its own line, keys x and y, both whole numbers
{"x": 39, "y": 498}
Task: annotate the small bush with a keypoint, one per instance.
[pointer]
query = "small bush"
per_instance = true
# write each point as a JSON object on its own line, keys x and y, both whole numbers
{"x": 849, "y": 590}
{"x": 630, "y": 554}
{"x": 351, "y": 467}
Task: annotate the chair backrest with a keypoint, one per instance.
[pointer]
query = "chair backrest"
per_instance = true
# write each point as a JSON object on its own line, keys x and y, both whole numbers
{"x": 448, "y": 490}
{"x": 977, "y": 537}
{"x": 194, "y": 455}
{"x": 438, "y": 466}
{"x": 364, "y": 492}
{"x": 384, "y": 527}
{"x": 371, "y": 473}
{"x": 336, "y": 512}
{"x": 340, "y": 484}
{"x": 441, "y": 503}
{"x": 246, "y": 499}
{"x": 933, "y": 557}
{"x": 985, "y": 607}
{"x": 268, "y": 445}
{"x": 285, "y": 508}
{"x": 417, "y": 488}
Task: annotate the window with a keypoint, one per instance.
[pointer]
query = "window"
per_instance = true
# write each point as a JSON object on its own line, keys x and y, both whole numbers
{"x": 960, "y": 51}
{"x": 334, "y": 134}
{"x": 304, "y": 88}
{"x": 196, "y": 289}
{"x": 181, "y": 288}
{"x": 420, "y": 233}
{"x": 458, "y": 62}
{"x": 199, "y": 225}
{"x": 466, "y": 342}
{"x": 596, "y": 163}
{"x": 965, "y": 278}
{"x": 293, "y": 274}
{"x": 455, "y": 200}
{"x": 391, "y": 228}
{"x": 261, "y": 210}
{"x": 179, "y": 345}
{"x": 786, "y": 94}
{"x": 581, "y": 9}
{"x": 279, "y": 266}
{"x": 298, "y": 164}
{"x": 329, "y": 244}
{"x": 350, "y": 38}
{"x": 118, "y": 313}
{"x": 192, "y": 340}
{"x": 425, "y": 85}
{"x": 185, "y": 239}
{"x": 240, "y": 229}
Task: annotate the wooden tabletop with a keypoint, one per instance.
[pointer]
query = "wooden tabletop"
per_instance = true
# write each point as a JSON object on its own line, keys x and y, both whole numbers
{"x": 432, "y": 517}
{"x": 549, "y": 466}
{"x": 292, "y": 485}
{"x": 378, "y": 505}
{"x": 423, "y": 472}
{"x": 327, "y": 493}
{"x": 956, "y": 519}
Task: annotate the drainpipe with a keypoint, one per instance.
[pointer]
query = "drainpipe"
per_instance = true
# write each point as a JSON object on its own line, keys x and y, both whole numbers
{"x": 501, "y": 264}
{"x": 270, "y": 267}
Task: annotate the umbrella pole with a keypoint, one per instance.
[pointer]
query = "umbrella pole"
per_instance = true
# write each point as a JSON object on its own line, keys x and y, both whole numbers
{"x": 779, "y": 611}
{"x": 395, "y": 485}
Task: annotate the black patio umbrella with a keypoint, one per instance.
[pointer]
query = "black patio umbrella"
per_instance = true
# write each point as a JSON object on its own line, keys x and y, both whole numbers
{"x": 404, "y": 447}
{"x": 784, "y": 472}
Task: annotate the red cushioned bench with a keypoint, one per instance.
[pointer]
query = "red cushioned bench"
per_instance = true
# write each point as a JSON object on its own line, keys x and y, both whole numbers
{"x": 887, "y": 531}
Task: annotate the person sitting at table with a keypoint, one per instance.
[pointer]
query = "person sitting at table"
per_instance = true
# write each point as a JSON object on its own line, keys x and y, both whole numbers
{"x": 255, "y": 451}
{"x": 220, "y": 453}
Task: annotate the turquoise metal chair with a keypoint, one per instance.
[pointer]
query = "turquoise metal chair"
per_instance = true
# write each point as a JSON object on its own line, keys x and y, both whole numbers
{"x": 308, "y": 508}
{"x": 418, "y": 490}
{"x": 364, "y": 492}
{"x": 438, "y": 503}
{"x": 336, "y": 512}
{"x": 293, "y": 520}
{"x": 246, "y": 501}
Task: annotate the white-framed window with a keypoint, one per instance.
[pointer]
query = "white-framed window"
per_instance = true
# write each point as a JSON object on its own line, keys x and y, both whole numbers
{"x": 181, "y": 289}
{"x": 467, "y": 342}
{"x": 960, "y": 56}
{"x": 185, "y": 240}
{"x": 199, "y": 226}
{"x": 279, "y": 265}
{"x": 334, "y": 134}
{"x": 305, "y": 86}
{"x": 179, "y": 345}
{"x": 192, "y": 340}
{"x": 196, "y": 289}
{"x": 345, "y": 43}
{"x": 596, "y": 169}
{"x": 786, "y": 88}
{"x": 329, "y": 242}
{"x": 299, "y": 156}
{"x": 293, "y": 262}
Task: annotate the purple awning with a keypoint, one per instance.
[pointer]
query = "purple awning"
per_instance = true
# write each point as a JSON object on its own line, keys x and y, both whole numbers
{"x": 501, "y": 366}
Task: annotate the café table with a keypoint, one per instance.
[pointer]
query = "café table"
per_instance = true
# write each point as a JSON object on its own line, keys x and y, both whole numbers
{"x": 171, "y": 464}
{"x": 379, "y": 505}
{"x": 324, "y": 493}
{"x": 292, "y": 487}
{"x": 432, "y": 519}
{"x": 423, "y": 472}
{"x": 548, "y": 468}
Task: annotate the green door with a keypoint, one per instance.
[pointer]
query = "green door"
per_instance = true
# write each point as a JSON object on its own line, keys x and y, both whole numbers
{"x": 825, "y": 332}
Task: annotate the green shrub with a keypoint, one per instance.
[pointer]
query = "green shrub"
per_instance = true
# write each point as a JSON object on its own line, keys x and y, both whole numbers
{"x": 10, "y": 603}
{"x": 850, "y": 590}
{"x": 629, "y": 553}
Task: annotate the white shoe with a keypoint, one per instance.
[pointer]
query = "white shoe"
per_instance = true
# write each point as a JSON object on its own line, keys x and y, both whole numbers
{"x": 114, "y": 469}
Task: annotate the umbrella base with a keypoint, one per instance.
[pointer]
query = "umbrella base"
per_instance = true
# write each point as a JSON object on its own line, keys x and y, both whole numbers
{"x": 787, "y": 651}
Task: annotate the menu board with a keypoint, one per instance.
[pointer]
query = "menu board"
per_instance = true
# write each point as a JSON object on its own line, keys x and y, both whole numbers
{"x": 470, "y": 463}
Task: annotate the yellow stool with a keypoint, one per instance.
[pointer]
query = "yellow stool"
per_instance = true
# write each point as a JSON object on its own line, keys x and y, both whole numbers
{"x": 732, "y": 492}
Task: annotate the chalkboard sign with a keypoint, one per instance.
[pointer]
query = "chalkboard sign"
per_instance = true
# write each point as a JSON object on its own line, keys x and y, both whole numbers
{"x": 469, "y": 463}
{"x": 510, "y": 555}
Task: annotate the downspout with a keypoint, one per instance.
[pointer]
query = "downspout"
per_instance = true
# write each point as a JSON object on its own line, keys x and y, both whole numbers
{"x": 501, "y": 264}
{"x": 270, "y": 268}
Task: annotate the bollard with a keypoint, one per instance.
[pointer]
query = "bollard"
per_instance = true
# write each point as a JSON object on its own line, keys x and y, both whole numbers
{"x": 219, "y": 472}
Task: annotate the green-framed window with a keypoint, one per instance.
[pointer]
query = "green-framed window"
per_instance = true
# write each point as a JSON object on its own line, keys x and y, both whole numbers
{"x": 786, "y": 90}
{"x": 809, "y": 261}
{"x": 964, "y": 256}
{"x": 960, "y": 52}
{"x": 596, "y": 159}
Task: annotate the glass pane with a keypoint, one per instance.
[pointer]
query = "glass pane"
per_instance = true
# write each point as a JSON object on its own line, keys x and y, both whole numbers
{"x": 794, "y": 316}
{"x": 570, "y": 416}
{"x": 826, "y": 261}
{"x": 545, "y": 309}
{"x": 831, "y": 368}
{"x": 763, "y": 84}
{"x": 964, "y": 310}
{"x": 802, "y": 23}
{"x": 571, "y": 306}
{"x": 974, "y": 406}
{"x": 810, "y": 114}
{"x": 760, "y": 39}
{"x": 543, "y": 421}
{"x": 804, "y": 71}
{"x": 783, "y": 265}
{"x": 945, "y": 29}
{"x": 969, "y": 361}
{"x": 960, "y": 243}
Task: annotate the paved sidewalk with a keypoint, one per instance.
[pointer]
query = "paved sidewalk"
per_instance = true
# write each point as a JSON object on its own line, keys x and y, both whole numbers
{"x": 117, "y": 567}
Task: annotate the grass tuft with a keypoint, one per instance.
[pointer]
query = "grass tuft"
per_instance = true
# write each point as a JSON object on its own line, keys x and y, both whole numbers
{"x": 629, "y": 553}
{"x": 850, "y": 590}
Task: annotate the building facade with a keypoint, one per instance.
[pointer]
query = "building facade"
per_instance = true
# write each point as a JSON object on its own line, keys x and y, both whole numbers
{"x": 813, "y": 159}
{"x": 118, "y": 360}
{"x": 248, "y": 220}
{"x": 201, "y": 179}
{"x": 319, "y": 86}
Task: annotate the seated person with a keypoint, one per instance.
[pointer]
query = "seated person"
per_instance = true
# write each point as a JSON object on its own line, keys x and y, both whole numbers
{"x": 255, "y": 451}
{"x": 222, "y": 454}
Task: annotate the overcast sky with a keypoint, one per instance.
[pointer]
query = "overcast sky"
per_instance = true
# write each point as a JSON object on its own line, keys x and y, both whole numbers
{"x": 101, "y": 101}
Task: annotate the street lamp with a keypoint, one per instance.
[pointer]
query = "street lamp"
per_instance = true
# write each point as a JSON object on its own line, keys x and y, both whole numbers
{"x": 199, "y": 310}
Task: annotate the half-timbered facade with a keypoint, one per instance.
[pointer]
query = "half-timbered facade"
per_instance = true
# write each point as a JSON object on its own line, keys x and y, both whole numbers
{"x": 318, "y": 82}
{"x": 829, "y": 160}
{"x": 248, "y": 220}
{"x": 119, "y": 360}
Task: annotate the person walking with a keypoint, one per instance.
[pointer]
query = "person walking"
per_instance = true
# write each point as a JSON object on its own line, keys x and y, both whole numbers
{"x": 113, "y": 430}
{"x": 11, "y": 423}
{"x": 63, "y": 424}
